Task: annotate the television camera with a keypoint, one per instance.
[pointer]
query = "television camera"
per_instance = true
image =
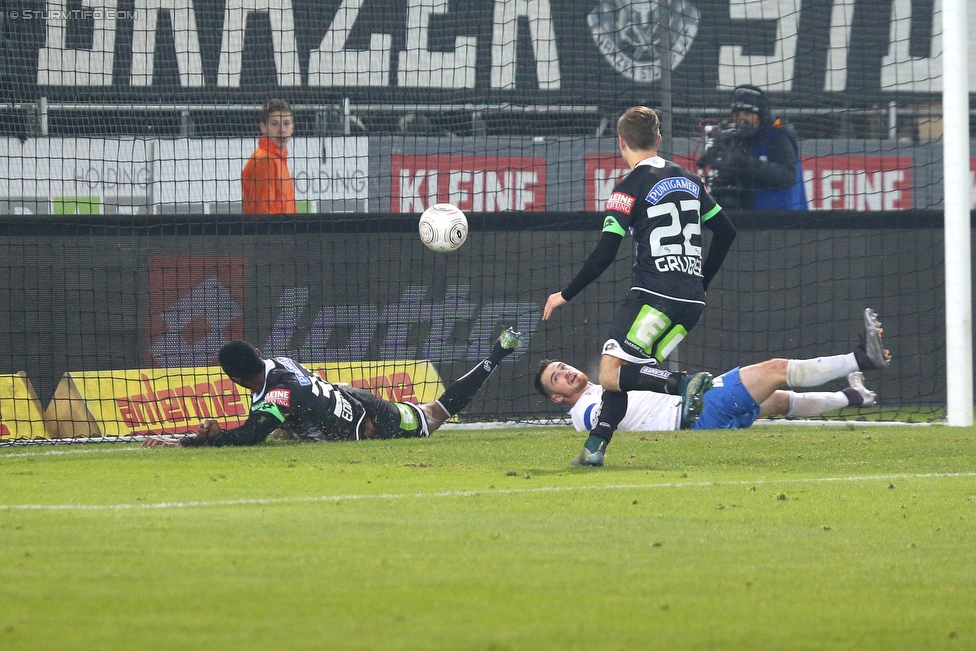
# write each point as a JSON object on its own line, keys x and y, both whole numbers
{"x": 726, "y": 146}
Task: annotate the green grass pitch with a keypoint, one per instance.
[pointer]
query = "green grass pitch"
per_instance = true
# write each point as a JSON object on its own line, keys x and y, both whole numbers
{"x": 777, "y": 537}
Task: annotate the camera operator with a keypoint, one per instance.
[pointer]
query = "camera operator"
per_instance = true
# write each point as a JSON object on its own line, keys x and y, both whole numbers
{"x": 754, "y": 162}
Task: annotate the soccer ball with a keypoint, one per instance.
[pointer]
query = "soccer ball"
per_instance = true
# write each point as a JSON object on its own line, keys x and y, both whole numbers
{"x": 443, "y": 228}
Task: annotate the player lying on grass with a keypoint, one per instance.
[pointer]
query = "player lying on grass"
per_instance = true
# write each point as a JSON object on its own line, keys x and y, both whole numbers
{"x": 735, "y": 398}
{"x": 286, "y": 395}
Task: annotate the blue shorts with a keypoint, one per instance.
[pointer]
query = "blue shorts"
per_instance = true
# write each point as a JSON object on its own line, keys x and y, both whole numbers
{"x": 727, "y": 404}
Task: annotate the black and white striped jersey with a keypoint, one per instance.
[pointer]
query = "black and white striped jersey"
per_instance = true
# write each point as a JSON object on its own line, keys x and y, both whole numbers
{"x": 298, "y": 400}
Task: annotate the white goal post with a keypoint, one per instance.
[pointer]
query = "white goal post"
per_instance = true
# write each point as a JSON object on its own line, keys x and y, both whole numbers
{"x": 956, "y": 179}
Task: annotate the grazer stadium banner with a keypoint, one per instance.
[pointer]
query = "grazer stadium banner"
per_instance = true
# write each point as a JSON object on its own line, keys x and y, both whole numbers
{"x": 596, "y": 52}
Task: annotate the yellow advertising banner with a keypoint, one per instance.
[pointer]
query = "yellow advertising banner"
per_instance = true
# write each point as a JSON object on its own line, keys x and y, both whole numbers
{"x": 20, "y": 410}
{"x": 175, "y": 400}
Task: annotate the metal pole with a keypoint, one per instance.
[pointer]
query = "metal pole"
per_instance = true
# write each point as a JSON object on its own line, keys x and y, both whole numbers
{"x": 185, "y": 124}
{"x": 42, "y": 111}
{"x": 666, "y": 150}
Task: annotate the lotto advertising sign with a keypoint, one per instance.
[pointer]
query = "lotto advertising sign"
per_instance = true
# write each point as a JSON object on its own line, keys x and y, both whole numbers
{"x": 195, "y": 307}
{"x": 472, "y": 183}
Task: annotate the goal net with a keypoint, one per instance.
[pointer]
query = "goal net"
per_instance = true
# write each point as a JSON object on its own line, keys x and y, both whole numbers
{"x": 125, "y": 259}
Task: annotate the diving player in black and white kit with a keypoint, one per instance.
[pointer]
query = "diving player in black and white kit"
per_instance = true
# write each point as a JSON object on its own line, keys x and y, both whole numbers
{"x": 286, "y": 395}
{"x": 664, "y": 207}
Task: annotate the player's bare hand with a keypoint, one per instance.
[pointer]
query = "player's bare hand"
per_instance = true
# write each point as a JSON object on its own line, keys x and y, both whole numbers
{"x": 158, "y": 441}
{"x": 208, "y": 427}
{"x": 554, "y": 301}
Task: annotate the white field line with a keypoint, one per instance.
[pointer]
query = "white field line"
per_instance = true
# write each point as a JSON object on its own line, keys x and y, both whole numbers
{"x": 122, "y": 447}
{"x": 127, "y": 446}
{"x": 471, "y": 493}
{"x": 130, "y": 440}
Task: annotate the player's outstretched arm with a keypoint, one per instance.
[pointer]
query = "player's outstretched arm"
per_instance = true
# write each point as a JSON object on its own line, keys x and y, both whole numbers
{"x": 258, "y": 426}
{"x": 208, "y": 427}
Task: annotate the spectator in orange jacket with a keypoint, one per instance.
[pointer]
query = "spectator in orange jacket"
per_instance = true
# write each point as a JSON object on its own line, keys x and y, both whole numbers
{"x": 266, "y": 184}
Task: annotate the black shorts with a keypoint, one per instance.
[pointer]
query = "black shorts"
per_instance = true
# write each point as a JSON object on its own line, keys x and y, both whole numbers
{"x": 392, "y": 420}
{"x": 648, "y": 327}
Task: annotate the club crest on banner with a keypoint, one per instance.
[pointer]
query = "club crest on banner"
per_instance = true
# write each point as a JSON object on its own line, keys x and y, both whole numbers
{"x": 628, "y": 34}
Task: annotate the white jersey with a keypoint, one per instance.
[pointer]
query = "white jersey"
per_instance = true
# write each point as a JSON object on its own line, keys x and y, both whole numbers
{"x": 646, "y": 411}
